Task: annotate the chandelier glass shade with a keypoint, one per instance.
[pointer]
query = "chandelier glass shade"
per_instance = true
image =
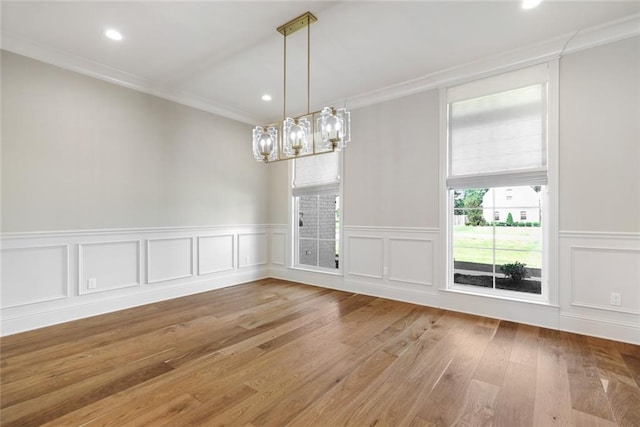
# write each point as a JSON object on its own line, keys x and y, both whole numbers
{"x": 310, "y": 134}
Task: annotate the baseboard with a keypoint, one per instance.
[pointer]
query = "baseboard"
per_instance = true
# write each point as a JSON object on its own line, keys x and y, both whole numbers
{"x": 522, "y": 312}
{"x": 40, "y": 319}
{"x": 602, "y": 328}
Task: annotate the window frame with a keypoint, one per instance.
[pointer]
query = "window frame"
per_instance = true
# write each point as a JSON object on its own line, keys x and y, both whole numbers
{"x": 293, "y": 254}
{"x": 550, "y": 291}
{"x": 296, "y": 243}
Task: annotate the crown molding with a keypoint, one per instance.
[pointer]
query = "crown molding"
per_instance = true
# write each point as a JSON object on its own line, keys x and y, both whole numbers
{"x": 530, "y": 55}
{"x": 519, "y": 58}
{"x": 69, "y": 61}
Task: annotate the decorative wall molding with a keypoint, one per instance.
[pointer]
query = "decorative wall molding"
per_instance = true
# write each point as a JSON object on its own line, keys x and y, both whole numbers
{"x": 278, "y": 247}
{"x": 611, "y": 270}
{"x": 252, "y": 249}
{"x": 413, "y": 265}
{"x": 69, "y": 61}
{"x": 120, "y": 231}
{"x": 395, "y": 230}
{"x": 169, "y": 260}
{"x": 592, "y": 266}
{"x": 529, "y": 55}
{"x": 365, "y": 256}
{"x": 588, "y": 317}
{"x": 114, "y": 258}
{"x": 105, "y": 258}
{"x": 31, "y": 276}
{"x": 599, "y": 234}
{"x": 215, "y": 263}
{"x": 508, "y": 61}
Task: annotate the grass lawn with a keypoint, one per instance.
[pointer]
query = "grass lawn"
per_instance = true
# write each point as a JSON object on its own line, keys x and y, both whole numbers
{"x": 475, "y": 244}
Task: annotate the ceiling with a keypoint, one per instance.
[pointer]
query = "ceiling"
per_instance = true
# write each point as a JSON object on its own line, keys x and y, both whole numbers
{"x": 223, "y": 56}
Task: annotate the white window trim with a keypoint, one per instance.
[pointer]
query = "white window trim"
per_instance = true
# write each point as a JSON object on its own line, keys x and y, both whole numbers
{"x": 292, "y": 252}
{"x": 550, "y": 289}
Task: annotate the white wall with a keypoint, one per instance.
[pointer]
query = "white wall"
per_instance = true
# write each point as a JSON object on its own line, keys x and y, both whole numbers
{"x": 393, "y": 246}
{"x": 391, "y": 165}
{"x": 81, "y": 153}
{"x": 278, "y": 191}
{"x": 165, "y": 200}
{"x": 599, "y": 244}
{"x": 600, "y": 138}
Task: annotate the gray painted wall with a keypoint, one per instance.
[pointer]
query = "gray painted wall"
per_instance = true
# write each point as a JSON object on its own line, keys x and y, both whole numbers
{"x": 80, "y": 153}
{"x": 600, "y": 138}
{"x": 391, "y": 164}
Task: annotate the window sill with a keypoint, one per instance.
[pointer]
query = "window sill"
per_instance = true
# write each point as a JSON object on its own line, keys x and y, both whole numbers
{"x": 313, "y": 270}
{"x": 501, "y": 295}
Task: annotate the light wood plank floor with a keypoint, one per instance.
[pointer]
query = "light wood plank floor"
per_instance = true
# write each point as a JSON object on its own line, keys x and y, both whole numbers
{"x": 274, "y": 353}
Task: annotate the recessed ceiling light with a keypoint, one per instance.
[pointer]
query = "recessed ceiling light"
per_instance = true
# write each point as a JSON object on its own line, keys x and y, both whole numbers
{"x": 113, "y": 34}
{"x": 266, "y": 97}
{"x": 530, "y": 4}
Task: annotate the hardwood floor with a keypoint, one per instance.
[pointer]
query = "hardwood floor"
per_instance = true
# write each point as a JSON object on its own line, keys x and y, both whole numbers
{"x": 273, "y": 353}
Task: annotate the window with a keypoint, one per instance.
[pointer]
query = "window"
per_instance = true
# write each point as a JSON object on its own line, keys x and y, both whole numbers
{"x": 497, "y": 168}
{"x": 316, "y": 193}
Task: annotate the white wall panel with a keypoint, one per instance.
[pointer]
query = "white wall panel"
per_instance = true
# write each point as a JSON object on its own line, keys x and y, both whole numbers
{"x": 169, "y": 259}
{"x": 113, "y": 265}
{"x": 592, "y": 266}
{"x": 38, "y": 284}
{"x": 411, "y": 260}
{"x": 34, "y": 274}
{"x": 597, "y": 272}
{"x": 365, "y": 256}
{"x": 278, "y": 244}
{"x": 215, "y": 253}
{"x": 252, "y": 249}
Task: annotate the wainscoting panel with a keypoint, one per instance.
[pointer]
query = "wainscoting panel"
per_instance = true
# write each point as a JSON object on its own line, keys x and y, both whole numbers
{"x": 45, "y": 275}
{"x": 34, "y": 274}
{"x": 215, "y": 253}
{"x": 365, "y": 256}
{"x": 108, "y": 265}
{"x": 252, "y": 249}
{"x": 278, "y": 248}
{"x": 169, "y": 259}
{"x": 592, "y": 285}
{"x": 411, "y": 261}
{"x": 592, "y": 267}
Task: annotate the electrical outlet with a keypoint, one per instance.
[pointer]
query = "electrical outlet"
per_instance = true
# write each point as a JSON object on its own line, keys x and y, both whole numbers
{"x": 615, "y": 299}
{"x": 385, "y": 271}
{"x": 92, "y": 283}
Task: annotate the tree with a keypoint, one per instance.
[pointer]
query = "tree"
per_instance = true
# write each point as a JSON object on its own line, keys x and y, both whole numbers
{"x": 510, "y": 220}
{"x": 458, "y": 199}
{"x": 473, "y": 199}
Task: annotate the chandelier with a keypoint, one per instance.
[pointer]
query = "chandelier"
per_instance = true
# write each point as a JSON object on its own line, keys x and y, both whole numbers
{"x": 313, "y": 133}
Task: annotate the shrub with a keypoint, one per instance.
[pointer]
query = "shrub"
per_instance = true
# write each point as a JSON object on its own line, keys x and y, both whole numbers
{"x": 528, "y": 224}
{"x": 500, "y": 224}
{"x": 510, "y": 220}
{"x": 536, "y": 224}
{"x": 521, "y": 224}
{"x": 515, "y": 272}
